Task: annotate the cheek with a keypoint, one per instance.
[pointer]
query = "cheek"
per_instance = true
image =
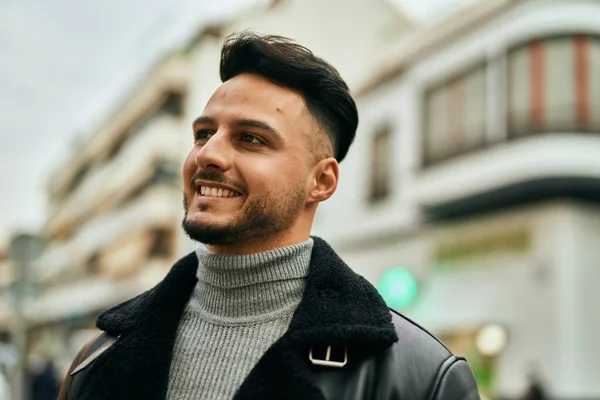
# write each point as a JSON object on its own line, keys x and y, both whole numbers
{"x": 275, "y": 177}
{"x": 189, "y": 167}
{"x": 295, "y": 170}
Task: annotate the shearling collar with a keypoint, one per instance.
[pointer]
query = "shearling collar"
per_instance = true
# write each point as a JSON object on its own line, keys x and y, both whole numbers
{"x": 338, "y": 307}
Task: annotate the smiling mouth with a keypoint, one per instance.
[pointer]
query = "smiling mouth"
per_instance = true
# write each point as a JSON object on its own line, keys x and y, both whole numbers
{"x": 210, "y": 191}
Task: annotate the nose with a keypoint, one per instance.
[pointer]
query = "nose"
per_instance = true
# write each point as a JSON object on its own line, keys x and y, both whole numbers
{"x": 215, "y": 153}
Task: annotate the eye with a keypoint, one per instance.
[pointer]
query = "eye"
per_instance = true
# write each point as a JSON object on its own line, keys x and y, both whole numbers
{"x": 202, "y": 135}
{"x": 251, "y": 139}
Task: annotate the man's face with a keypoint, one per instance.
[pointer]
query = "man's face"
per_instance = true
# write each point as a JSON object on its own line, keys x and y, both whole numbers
{"x": 245, "y": 179}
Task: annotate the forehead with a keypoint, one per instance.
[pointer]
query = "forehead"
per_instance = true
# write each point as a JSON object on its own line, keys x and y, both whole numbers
{"x": 251, "y": 96}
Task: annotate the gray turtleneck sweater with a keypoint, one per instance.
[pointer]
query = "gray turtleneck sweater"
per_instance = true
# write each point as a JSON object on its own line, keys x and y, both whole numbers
{"x": 241, "y": 305}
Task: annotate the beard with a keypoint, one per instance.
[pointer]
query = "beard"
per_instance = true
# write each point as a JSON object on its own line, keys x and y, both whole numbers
{"x": 263, "y": 217}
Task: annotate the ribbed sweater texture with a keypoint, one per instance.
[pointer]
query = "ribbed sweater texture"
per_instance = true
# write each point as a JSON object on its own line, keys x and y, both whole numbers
{"x": 240, "y": 306}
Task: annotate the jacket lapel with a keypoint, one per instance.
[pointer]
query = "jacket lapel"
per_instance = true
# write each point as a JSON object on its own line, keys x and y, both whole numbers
{"x": 338, "y": 307}
{"x": 137, "y": 365}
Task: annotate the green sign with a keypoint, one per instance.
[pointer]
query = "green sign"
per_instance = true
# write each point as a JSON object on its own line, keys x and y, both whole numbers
{"x": 398, "y": 287}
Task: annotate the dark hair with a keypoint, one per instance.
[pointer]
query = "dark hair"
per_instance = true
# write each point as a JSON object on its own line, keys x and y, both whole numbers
{"x": 291, "y": 65}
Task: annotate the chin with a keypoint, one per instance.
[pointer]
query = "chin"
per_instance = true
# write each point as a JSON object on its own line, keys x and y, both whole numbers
{"x": 210, "y": 232}
{"x": 201, "y": 221}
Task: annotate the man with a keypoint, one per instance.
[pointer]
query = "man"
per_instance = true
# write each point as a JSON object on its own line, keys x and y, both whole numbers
{"x": 261, "y": 310}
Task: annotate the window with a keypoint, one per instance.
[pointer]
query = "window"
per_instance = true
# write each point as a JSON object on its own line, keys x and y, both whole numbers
{"x": 79, "y": 177}
{"x": 380, "y": 171}
{"x": 162, "y": 242}
{"x": 455, "y": 115}
{"x": 117, "y": 146}
{"x": 93, "y": 265}
{"x": 554, "y": 84}
{"x": 172, "y": 105}
{"x": 166, "y": 172}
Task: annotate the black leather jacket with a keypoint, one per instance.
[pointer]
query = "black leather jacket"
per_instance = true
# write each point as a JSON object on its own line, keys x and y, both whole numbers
{"x": 374, "y": 353}
{"x": 418, "y": 366}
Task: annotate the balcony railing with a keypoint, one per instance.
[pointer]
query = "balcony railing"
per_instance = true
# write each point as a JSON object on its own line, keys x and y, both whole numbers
{"x": 563, "y": 121}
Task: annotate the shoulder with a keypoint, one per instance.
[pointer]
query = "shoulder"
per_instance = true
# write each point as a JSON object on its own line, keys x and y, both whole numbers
{"x": 416, "y": 342}
{"x": 431, "y": 362}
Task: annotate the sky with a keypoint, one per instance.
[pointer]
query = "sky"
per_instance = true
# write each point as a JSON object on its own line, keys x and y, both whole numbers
{"x": 63, "y": 63}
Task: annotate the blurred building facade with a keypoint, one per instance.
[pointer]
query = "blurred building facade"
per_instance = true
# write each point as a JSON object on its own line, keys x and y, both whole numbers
{"x": 8, "y": 350}
{"x": 8, "y": 278}
{"x": 113, "y": 214}
{"x": 475, "y": 168}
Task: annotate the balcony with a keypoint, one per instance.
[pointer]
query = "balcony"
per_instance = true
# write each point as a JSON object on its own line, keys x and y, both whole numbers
{"x": 159, "y": 206}
{"x": 559, "y": 164}
{"x": 168, "y": 81}
{"x": 91, "y": 295}
{"x": 114, "y": 180}
{"x": 541, "y": 142}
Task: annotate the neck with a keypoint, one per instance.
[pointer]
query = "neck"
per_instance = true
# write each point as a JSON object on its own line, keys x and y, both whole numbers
{"x": 261, "y": 244}
{"x": 250, "y": 286}
{"x": 298, "y": 232}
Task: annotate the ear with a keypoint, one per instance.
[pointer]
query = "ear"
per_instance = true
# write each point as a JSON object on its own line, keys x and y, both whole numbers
{"x": 324, "y": 181}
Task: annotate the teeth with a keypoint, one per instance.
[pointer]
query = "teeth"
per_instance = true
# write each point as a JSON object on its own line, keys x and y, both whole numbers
{"x": 215, "y": 192}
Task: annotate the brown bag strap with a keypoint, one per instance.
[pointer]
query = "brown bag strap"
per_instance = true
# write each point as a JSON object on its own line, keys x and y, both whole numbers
{"x": 85, "y": 357}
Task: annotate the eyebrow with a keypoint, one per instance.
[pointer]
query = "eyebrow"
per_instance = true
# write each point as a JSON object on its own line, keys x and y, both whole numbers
{"x": 203, "y": 120}
{"x": 241, "y": 123}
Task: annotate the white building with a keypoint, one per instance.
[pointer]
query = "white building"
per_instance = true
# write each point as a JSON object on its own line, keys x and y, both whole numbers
{"x": 476, "y": 168}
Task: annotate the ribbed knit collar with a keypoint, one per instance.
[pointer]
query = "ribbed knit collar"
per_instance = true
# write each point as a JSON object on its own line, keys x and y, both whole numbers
{"x": 250, "y": 288}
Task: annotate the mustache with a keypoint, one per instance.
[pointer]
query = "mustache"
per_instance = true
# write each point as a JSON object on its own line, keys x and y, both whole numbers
{"x": 218, "y": 177}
